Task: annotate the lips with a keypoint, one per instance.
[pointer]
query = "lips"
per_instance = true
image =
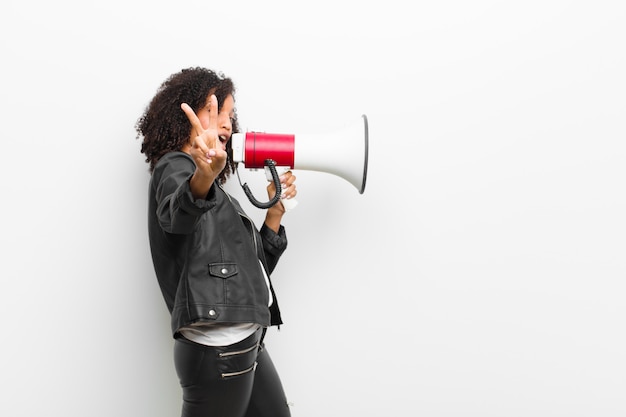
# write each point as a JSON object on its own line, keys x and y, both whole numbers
{"x": 223, "y": 139}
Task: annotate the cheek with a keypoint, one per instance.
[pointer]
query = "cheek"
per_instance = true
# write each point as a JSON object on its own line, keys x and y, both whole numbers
{"x": 224, "y": 120}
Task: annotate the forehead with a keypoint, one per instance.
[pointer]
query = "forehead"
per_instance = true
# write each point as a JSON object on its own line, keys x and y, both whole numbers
{"x": 229, "y": 101}
{"x": 228, "y": 104}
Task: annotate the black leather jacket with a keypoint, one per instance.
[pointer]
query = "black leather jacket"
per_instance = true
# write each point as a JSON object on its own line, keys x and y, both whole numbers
{"x": 206, "y": 252}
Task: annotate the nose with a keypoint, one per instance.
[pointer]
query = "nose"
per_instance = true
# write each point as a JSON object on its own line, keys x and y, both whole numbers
{"x": 227, "y": 125}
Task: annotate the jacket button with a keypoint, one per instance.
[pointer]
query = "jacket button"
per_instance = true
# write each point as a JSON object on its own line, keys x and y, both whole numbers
{"x": 212, "y": 313}
{"x": 224, "y": 271}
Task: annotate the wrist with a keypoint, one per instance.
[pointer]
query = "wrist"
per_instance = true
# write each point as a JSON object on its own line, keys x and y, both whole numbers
{"x": 274, "y": 216}
{"x": 200, "y": 184}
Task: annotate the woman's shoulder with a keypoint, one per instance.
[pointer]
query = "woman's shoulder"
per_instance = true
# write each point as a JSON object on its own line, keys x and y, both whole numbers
{"x": 176, "y": 160}
{"x": 175, "y": 157}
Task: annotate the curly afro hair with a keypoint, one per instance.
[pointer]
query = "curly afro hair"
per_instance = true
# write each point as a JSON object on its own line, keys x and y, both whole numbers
{"x": 165, "y": 127}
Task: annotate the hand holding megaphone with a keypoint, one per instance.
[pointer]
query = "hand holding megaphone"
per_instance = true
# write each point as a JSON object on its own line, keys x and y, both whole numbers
{"x": 288, "y": 203}
{"x": 348, "y": 159}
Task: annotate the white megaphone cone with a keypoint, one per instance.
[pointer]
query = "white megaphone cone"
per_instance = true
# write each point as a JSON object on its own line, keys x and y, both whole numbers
{"x": 343, "y": 153}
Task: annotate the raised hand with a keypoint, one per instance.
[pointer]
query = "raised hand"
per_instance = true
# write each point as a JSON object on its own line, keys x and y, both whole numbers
{"x": 206, "y": 148}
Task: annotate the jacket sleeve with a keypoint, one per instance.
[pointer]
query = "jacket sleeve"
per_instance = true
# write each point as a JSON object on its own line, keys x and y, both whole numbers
{"x": 274, "y": 244}
{"x": 177, "y": 211}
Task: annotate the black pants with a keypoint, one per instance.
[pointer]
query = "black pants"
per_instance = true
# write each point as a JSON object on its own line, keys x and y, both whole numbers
{"x": 239, "y": 380}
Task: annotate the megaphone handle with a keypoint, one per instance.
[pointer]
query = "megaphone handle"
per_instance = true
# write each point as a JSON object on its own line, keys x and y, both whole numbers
{"x": 288, "y": 203}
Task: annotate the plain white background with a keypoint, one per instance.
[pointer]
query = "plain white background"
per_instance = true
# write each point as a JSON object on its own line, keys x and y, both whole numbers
{"x": 482, "y": 272}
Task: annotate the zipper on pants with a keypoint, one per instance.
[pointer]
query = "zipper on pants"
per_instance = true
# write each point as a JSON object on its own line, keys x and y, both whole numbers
{"x": 238, "y": 373}
{"x": 238, "y": 352}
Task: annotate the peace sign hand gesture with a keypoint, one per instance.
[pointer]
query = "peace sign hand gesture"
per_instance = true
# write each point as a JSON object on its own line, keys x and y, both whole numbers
{"x": 205, "y": 148}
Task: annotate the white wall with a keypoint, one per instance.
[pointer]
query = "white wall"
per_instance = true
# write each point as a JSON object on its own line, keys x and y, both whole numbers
{"x": 482, "y": 272}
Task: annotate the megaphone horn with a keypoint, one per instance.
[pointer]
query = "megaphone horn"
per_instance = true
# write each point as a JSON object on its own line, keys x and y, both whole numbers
{"x": 343, "y": 153}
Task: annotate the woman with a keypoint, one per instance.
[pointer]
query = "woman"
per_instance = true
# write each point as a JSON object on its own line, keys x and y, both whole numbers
{"x": 211, "y": 262}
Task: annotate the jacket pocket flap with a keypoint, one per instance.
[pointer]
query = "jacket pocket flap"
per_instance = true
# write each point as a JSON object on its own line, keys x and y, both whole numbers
{"x": 223, "y": 270}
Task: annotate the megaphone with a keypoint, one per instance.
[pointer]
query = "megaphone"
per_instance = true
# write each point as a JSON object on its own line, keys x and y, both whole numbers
{"x": 343, "y": 153}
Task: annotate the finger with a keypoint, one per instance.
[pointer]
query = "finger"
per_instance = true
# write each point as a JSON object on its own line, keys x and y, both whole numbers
{"x": 291, "y": 194}
{"x": 290, "y": 191}
{"x": 288, "y": 178}
{"x": 213, "y": 112}
{"x": 193, "y": 119}
{"x": 212, "y": 139}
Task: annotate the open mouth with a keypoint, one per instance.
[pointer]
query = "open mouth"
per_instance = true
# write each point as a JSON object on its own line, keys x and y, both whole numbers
{"x": 223, "y": 140}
